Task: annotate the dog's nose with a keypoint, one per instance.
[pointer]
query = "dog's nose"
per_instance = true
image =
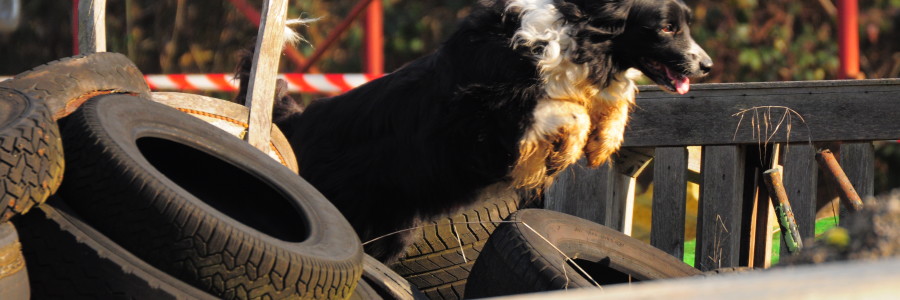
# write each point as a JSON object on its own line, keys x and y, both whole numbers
{"x": 706, "y": 65}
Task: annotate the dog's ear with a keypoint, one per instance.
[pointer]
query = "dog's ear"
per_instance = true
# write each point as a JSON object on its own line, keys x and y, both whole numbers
{"x": 604, "y": 17}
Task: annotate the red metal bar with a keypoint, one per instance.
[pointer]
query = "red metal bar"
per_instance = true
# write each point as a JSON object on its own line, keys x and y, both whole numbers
{"x": 374, "y": 38}
{"x": 848, "y": 39}
{"x": 74, "y": 27}
{"x": 252, "y": 14}
{"x": 334, "y": 35}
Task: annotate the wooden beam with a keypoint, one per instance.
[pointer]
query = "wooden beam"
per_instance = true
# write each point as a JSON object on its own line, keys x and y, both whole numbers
{"x": 669, "y": 197}
{"x": 845, "y": 110}
{"x": 261, "y": 90}
{"x": 719, "y": 215}
{"x": 91, "y": 26}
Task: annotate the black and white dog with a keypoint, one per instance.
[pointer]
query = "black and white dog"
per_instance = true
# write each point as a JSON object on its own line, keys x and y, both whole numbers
{"x": 521, "y": 90}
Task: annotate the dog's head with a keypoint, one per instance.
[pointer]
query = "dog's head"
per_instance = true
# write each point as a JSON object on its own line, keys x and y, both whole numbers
{"x": 653, "y": 36}
{"x": 657, "y": 40}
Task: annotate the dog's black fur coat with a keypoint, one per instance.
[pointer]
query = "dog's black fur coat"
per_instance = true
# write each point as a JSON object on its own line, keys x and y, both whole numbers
{"x": 423, "y": 141}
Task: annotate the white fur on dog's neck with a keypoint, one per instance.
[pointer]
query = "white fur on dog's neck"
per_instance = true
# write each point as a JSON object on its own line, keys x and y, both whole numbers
{"x": 574, "y": 109}
{"x": 542, "y": 23}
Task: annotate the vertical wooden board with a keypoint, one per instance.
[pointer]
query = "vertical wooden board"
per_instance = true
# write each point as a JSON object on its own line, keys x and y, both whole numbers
{"x": 622, "y": 211}
{"x": 719, "y": 216}
{"x": 800, "y": 178}
{"x": 261, "y": 89}
{"x": 583, "y": 192}
{"x": 669, "y": 196}
{"x": 91, "y": 26}
{"x": 858, "y": 162}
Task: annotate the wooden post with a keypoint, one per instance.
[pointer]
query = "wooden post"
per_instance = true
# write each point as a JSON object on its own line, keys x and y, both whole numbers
{"x": 719, "y": 215}
{"x": 800, "y": 177}
{"x": 669, "y": 197}
{"x": 583, "y": 192}
{"x": 91, "y": 26}
{"x": 261, "y": 90}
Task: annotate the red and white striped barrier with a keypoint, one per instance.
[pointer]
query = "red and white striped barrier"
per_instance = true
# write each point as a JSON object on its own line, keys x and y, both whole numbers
{"x": 297, "y": 82}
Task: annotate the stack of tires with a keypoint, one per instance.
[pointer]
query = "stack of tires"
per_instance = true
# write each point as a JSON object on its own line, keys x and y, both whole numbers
{"x": 135, "y": 199}
{"x": 157, "y": 204}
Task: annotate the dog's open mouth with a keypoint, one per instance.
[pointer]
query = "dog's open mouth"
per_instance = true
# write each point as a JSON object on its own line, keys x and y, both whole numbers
{"x": 665, "y": 77}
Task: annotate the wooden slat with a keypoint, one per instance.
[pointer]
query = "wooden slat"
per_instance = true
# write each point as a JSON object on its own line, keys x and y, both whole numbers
{"x": 621, "y": 206}
{"x": 833, "y": 110}
{"x": 91, "y": 26}
{"x": 719, "y": 216}
{"x": 858, "y": 162}
{"x": 261, "y": 90}
{"x": 583, "y": 192}
{"x": 800, "y": 177}
{"x": 669, "y": 196}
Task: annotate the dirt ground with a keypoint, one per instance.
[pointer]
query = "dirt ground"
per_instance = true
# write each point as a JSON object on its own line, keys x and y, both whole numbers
{"x": 870, "y": 234}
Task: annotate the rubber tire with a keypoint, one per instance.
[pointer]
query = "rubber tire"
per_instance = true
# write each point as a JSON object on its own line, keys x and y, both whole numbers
{"x": 433, "y": 262}
{"x": 380, "y": 282}
{"x": 31, "y": 155}
{"x": 13, "y": 273}
{"x": 67, "y": 83}
{"x": 174, "y": 191}
{"x": 67, "y": 257}
{"x": 517, "y": 260}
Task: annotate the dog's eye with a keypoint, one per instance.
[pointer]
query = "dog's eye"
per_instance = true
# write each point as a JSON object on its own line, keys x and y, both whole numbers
{"x": 668, "y": 28}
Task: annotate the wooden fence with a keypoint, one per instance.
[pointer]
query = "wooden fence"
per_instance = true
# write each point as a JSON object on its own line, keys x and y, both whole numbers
{"x": 737, "y": 126}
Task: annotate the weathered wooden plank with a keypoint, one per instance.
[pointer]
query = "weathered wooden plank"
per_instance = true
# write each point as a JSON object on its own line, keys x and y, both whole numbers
{"x": 261, "y": 89}
{"x": 621, "y": 206}
{"x": 833, "y": 110}
{"x": 91, "y": 26}
{"x": 583, "y": 192}
{"x": 719, "y": 215}
{"x": 858, "y": 162}
{"x": 800, "y": 178}
{"x": 669, "y": 196}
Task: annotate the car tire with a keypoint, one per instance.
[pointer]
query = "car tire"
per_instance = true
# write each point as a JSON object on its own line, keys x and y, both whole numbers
{"x": 14, "y": 283}
{"x": 31, "y": 156}
{"x": 434, "y": 264}
{"x": 204, "y": 206}
{"x": 380, "y": 282}
{"x": 68, "y": 257}
{"x": 523, "y": 256}
{"x": 67, "y": 83}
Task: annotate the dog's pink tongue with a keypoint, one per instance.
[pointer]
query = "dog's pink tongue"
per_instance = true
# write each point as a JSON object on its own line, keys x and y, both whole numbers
{"x": 682, "y": 84}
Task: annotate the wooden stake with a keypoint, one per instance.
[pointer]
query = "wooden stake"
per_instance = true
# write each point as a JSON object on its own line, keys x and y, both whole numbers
{"x": 91, "y": 26}
{"x": 263, "y": 74}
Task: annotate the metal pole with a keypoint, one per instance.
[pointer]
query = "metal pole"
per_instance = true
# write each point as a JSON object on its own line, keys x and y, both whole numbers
{"x": 374, "y": 38}
{"x": 848, "y": 39}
